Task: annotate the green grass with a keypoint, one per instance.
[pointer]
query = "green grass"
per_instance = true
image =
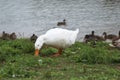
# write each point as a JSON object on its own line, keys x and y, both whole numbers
{"x": 78, "y": 62}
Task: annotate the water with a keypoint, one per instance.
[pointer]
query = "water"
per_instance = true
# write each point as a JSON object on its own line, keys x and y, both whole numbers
{"x": 26, "y": 17}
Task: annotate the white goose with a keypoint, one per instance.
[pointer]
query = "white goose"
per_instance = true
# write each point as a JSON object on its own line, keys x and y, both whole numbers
{"x": 58, "y": 38}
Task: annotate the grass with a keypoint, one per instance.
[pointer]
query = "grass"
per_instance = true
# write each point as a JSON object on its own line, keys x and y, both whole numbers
{"x": 78, "y": 62}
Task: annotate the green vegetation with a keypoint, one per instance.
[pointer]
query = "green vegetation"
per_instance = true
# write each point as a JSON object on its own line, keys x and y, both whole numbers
{"x": 79, "y": 62}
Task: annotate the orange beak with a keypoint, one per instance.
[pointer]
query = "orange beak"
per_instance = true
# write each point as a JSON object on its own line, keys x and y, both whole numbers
{"x": 36, "y": 52}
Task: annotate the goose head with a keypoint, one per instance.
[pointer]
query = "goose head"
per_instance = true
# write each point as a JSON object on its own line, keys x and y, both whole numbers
{"x": 38, "y": 44}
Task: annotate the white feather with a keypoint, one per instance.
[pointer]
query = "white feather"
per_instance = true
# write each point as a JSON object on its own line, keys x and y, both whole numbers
{"x": 57, "y": 37}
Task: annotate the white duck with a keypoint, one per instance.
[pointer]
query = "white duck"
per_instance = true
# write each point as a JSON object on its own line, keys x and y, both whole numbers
{"x": 58, "y": 38}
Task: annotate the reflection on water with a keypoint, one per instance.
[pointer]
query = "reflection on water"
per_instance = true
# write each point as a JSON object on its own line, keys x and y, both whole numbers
{"x": 37, "y": 16}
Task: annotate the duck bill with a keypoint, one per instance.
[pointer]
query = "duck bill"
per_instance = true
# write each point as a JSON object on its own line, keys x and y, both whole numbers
{"x": 36, "y": 52}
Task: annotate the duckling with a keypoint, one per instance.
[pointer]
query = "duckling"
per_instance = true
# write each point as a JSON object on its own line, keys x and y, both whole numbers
{"x": 109, "y": 37}
{"x": 62, "y": 23}
{"x": 13, "y": 36}
{"x": 5, "y": 36}
{"x": 33, "y": 38}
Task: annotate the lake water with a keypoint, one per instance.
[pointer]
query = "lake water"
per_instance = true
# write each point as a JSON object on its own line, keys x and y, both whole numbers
{"x": 26, "y": 17}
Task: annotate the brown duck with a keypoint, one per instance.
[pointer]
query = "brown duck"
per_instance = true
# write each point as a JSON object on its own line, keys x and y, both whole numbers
{"x": 13, "y": 36}
{"x": 33, "y": 38}
{"x": 109, "y": 37}
{"x": 5, "y": 36}
{"x": 116, "y": 42}
{"x": 93, "y": 37}
{"x": 62, "y": 23}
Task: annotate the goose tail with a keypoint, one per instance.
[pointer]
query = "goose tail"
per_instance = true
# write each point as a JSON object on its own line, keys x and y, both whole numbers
{"x": 77, "y": 30}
